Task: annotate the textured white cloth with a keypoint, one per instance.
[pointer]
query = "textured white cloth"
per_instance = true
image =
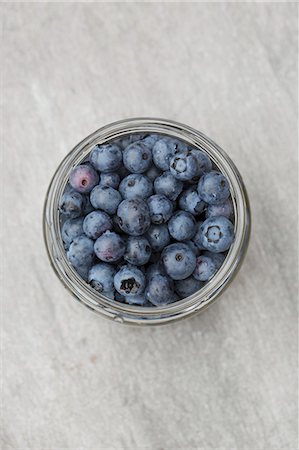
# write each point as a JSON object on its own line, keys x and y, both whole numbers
{"x": 225, "y": 379}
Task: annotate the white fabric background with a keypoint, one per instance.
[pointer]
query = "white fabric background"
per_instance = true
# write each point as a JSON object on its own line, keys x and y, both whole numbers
{"x": 226, "y": 379}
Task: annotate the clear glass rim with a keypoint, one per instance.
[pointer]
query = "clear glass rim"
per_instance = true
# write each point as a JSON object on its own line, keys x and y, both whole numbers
{"x": 132, "y": 314}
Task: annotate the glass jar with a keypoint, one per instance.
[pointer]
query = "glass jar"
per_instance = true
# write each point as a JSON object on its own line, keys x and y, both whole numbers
{"x": 132, "y": 314}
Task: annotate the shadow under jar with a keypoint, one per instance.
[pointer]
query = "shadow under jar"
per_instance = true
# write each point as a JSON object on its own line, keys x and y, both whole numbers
{"x": 133, "y": 314}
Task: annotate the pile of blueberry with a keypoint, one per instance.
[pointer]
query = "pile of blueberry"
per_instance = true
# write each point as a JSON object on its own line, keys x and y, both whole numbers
{"x": 147, "y": 220}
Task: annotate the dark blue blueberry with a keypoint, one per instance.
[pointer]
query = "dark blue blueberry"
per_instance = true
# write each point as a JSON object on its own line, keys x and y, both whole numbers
{"x": 136, "y": 185}
{"x": 158, "y": 237}
{"x": 217, "y": 234}
{"x": 182, "y": 226}
{"x": 96, "y": 223}
{"x": 213, "y": 188}
{"x": 225, "y": 209}
{"x": 167, "y": 185}
{"x": 150, "y": 140}
{"x": 184, "y": 167}
{"x": 153, "y": 269}
{"x": 160, "y": 208}
{"x": 129, "y": 139}
{"x": 110, "y": 247}
{"x": 193, "y": 247}
{"x": 71, "y": 204}
{"x": 153, "y": 173}
{"x": 179, "y": 261}
{"x": 84, "y": 178}
{"x": 191, "y": 202}
{"x": 137, "y": 157}
{"x": 187, "y": 287}
{"x": 164, "y": 149}
{"x": 105, "y": 198}
{"x": 203, "y": 161}
{"x": 133, "y": 217}
{"x": 71, "y": 229}
{"x": 138, "y": 250}
{"x": 160, "y": 290}
{"x": 110, "y": 179}
{"x": 135, "y": 299}
{"x": 101, "y": 278}
{"x": 218, "y": 258}
{"x": 197, "y": 238}
{"x": 129, "y": 280}
{"x": 81, "y": 255}
{"x": 87, "y": 206}
{"x": 106, "y": 158}
{"x": 205, "y": 268}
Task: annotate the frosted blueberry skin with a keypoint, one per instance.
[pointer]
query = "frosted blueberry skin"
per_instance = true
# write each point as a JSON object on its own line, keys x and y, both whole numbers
{"x": 218, "y": 258}
{"x": 153, "y": 269}
{"x": 160, "y": 290}
{"x": 71, "y": 204}
{"x": 225, "y": 209}
{"x": 166, "y": 184}
{"x": 191, "y": 202}
{"x": 153, "y": 173}
{"x": 184, "y": 167}
{"x": 110, "y": 247}
{"x": 83, "y": 178}
{"x": 139, "y": 300}
{"x": 71, "y": 229}
{"x": 160, "y": 208}
{"x": 205, "y": 268}
{"x": 138, "y": 250}
{"x": 204, "y": 163}
{"x": 150, "y": 140}
{"x": 101, "y": 277}
{"x": 136, "y": 185}
{"x": 187, "y": 287}
{"x": 105, "y": 198}
{"x": 96, "y": 223}
{"x": 197, "y": 238}
{"x": 106, "y": 158}
{"x": 133, "y": 217}
{"x": 213, "y": 188}
{"x": 129, "y": 139}
{"x": 81, "y": 255}
{"x": 158, "y": 237}
{"x": 110, "y": 179}
{"x": 216, "y": 234}
{"x": 193, "y": 247}
{"x": 179, "y": 261}
{"x": 137, "y": 157}
{"x": 164, "y": 149}
{"x": 129, "y": 280}
{"x": 182, "y": 226}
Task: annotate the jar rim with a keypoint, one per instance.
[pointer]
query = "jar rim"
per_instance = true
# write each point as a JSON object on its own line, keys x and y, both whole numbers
{"x": 133, "y": 314}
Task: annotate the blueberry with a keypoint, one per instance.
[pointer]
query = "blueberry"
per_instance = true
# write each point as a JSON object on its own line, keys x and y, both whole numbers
{"x": 167, "y": 185}
{"x": 87, "y": 206}
{"x": 136, "y": 299}
{"x": 101, "y": 278}
{"x": 225, "y": 209}
{"x": 84, "y": 178}
{"x": 129, "y": 280}
{"x": 135, "y": 185}
{"x": 160, "y": 208}
{"x": 153, "y": 269}
{"x": 96, "y": 223}
{"x": 81, "y": 255}
{"x": 119, "y": 297}
{"x": 218, "y": 258}
{"x": 150, "y": 140}
{"x": 182, "y": 226}
{"x": 217, "y": 234}
{"x": 105, "y": 198}
{"x": 137, "y": 157}
{"x": 110, "y": 179}
{"x": 187, "y": 287}
{"x": 138, "y": 250}
{"x": 191, "y": 202}
{"x": 203, "y": 161}
{"x": 183, "y": 166}
{"x": 133, "y": 216}
{"x": 193, "y": 247}
{"x": 158, "y": 237}
{"x": 106, "y": 157}
{"x": 110, "y": 247}
{"x": 160, "y": 290}
{"x": 205, "y": 268}
{"x": 197, "y": 238}
{"x": 153, "y": 173}
{"x": 71, "y": 229}
{"x": 71, "y": 204}
{"x": 213, "y": 188}
{"x": 179, "y": 261}
{"x": 164, "y": 149}
{"x": 129, "y": 139}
